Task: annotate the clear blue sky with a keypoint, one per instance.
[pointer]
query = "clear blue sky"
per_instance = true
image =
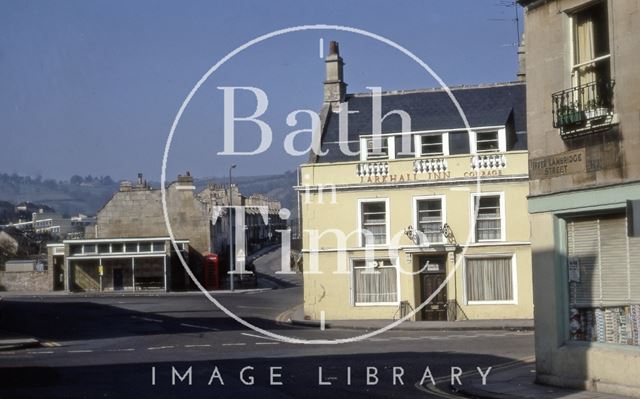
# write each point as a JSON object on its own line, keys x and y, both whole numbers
{"x": 92, "y": 87}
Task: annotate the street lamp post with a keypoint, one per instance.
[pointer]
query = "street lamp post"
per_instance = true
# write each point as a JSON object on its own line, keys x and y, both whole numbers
{"x": 231, "y": 262}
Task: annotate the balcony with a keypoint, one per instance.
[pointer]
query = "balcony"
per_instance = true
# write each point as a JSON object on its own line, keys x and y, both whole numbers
{"x": 431, "y": 165}
{"x": 367, "y": 169}
{"x": 488, "y": 162}
{"x": 583, "y": 109}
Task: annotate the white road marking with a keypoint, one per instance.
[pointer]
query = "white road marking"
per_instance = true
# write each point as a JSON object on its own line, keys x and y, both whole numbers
{"x": 322, "y": 320}
{"x": 80, "y": 351}
{"x": 321, "y": 48}
{"x": 260, "y": 336}
{"x": 201, "y": 327}
{"x": 146, "y": 319}
{"x": 197, "y": 346}
{"x": 39, "y": 352}
{"x": 235, "y": 344}
{"x": 7, "y": 353}
{"x": 153, "y": 348}
{"x": 267, "y": 343}
{"x": 378, "y": 339}
{"x": 121, "y": 350}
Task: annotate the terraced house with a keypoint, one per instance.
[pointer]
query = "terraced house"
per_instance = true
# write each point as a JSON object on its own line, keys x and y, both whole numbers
{"x": 392, "y": 212}
{"x": 583, "y": 96}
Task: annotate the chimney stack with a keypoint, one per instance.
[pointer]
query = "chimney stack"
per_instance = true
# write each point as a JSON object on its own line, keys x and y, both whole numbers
{"x": 185, "y": 182}
{"x": 334, "y": 87}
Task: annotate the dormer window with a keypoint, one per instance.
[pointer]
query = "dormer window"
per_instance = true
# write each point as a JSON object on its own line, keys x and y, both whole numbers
{"x": 493, "y": 140}
{"x": 487, "y": 141}
{"x": 429, "y": 145}
{"x": 377, "y": 148}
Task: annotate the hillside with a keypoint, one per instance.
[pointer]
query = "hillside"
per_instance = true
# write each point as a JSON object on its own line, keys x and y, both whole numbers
{"x": 88, "y": 194}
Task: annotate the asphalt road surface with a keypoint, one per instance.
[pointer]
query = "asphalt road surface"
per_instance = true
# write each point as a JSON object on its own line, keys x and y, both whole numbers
{"x": 172, "y": 346}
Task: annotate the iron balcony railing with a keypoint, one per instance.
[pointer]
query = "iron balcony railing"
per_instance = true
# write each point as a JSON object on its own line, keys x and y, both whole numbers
{"x": 573, "y": 108}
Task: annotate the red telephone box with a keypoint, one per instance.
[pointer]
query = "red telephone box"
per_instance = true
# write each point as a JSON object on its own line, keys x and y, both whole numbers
{"x": 211, "y": 272}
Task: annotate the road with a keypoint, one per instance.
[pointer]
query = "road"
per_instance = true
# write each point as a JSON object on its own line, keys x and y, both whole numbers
{"x": 124, "y": 346}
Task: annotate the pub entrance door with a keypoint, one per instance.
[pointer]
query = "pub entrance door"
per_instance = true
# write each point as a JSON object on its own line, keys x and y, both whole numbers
{"x": 431, "y": 278}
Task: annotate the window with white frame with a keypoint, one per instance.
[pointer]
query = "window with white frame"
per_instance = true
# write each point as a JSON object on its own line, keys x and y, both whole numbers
{"x": 488, "y": 217}
{"x": 489, "y": 279}
{"x": 375, "y": 282}
{"x": 430, "y": 218}
{"x": 432, "y": 145}
{"x": 158, "y": 246}
{"x": 377, "y": 148}
{"x": 373, "y": 222}
{"x": 488, "y": 141}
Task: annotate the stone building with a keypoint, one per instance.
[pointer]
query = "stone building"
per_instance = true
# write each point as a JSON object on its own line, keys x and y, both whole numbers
{"x": 414, "y": 207}
{"x": 583, "y": 103}
{"x": 129, "y": 247}
{"x": 257, "y": 207}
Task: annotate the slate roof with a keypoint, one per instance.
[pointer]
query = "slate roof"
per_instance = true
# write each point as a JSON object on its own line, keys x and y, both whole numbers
{"x": 431, "y": 109}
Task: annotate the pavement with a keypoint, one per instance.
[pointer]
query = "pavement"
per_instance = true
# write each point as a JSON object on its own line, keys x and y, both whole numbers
{"x": 517, "y": 381}
{"x": 296, "y": 317}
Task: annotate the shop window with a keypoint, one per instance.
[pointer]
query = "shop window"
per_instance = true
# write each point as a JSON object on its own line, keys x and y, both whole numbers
{"x": 103, "y": 248}
{"x": 158, "y": 247}
{"x": 89, "y": 249}
{"x": 375, "y": 282}
{"x": 489, "y": 280}
{"x": 117, "y": 247}
{"x": 430, "y": 219}
{"x": 374, "y": 223}
{"x": 603, "y": 266}
{"x": 131, "y": 247}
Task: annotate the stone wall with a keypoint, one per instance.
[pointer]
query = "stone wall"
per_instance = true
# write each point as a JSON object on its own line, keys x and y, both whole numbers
{"x": 138, "y": 213}
{"x": 26, "y": 281}
{"x": 610, "y": 156}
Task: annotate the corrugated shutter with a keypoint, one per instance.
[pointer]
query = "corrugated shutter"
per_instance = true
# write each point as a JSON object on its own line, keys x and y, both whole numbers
{"x": 609, "y": 262}
{"x": 634, "y": 269}
{"x": 613, "y": 258}
{"x": 583, "y": 246}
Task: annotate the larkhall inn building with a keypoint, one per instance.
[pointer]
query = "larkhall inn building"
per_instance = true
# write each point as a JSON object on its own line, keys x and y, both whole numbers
{"x": 583, "y": 103}
{"x": 412, "y": 201}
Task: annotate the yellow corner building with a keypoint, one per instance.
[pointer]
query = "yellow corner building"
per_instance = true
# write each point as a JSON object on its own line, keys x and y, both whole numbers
{"x": 392, "y": 211}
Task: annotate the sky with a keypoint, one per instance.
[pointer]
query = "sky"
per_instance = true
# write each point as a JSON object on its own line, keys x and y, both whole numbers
{"x": 93, "y": 87}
